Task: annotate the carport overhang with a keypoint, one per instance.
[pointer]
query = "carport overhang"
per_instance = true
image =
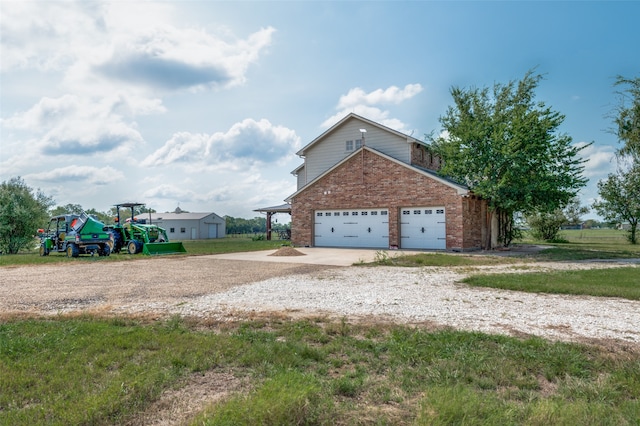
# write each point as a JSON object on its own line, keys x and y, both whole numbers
{"x": 270, "y": 211}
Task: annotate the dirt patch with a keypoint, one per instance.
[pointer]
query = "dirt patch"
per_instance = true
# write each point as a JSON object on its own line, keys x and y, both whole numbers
{"x": 287, "y": 251}
{"x": 89, "y": 285}
{"x": 177, "y": 406}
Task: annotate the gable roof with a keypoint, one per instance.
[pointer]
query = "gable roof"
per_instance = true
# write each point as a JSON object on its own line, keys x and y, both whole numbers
{"x": 181, "y": 216}
{"x": 350, "y": 116}
{"x": 461, "y": 189}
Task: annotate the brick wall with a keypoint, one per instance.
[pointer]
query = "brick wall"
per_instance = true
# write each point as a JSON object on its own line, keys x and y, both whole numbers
{"x": 422, "y": 156}
{"x": 385, "y": 184}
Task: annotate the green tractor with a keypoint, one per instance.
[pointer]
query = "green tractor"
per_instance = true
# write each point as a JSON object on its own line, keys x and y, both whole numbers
{"x": 75, "y": 234}
{"x": 137, "y": 235}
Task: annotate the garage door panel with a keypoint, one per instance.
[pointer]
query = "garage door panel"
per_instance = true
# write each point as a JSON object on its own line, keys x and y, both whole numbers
{"x": 352, "y": 228}
{"x": 423, "y": 228}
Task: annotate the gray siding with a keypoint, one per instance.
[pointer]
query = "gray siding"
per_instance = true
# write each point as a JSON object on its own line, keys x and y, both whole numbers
{"x": 301, "y": 177}
{"x": 202, "y": 226}
{"x": 331, "y": 150}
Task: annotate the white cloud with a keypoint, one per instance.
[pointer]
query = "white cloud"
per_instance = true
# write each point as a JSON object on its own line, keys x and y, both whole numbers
{"x": 86, "y": 175}
{"x": 391, "y": 95}
{"x": 47, "y": 35}
{"x": 600, "y": 160}
{"x": 168, "y": 58}
{"x": 72, "y": 125}
{"x": 367, "y": 105}
{"x": 133, "y": 44}
{"x": 236, "y": 191}
{"x": 245, "y": 144}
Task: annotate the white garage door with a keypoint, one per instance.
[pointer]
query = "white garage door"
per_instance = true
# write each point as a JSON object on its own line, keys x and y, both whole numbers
{"x": 352, "y": 228}
{"x": 423, "y": 228}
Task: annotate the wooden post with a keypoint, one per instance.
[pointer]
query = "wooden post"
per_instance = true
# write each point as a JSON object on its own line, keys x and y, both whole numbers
{"x": 269, "y": 226}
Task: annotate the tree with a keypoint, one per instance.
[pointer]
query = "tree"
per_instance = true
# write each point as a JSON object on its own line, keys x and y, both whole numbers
{"x": 627, "y": 119}
{"x": 507, "y": 149}
{"x": 573, "y": 212}
{"x": 620, "y": 201}
{"x": 67, "y": 208}
{"x": 546, "y": 225}
{"x": 22, "y": 212}
{"x": 237, "y": 225}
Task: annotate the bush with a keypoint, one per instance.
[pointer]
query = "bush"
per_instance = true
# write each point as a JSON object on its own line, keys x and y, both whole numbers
{"x": 546, "y": 226}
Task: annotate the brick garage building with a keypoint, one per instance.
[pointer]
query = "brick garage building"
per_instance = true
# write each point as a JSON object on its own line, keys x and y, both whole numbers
{"x": 365, "y": 185}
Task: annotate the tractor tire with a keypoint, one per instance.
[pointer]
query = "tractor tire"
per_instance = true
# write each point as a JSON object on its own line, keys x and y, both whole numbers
{"x": 105, "y": 250}
{"x": 73, "y": 250}
{"x": 117, "y": 242}
{"x": 134, "y": 247}
{"x": 44, "y": 251}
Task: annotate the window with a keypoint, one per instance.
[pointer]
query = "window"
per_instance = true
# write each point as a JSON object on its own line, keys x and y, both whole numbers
{"x": 319, "y": 214}
{"x": 336, "y": 213}
{"x": 406, "y": 212}
{"x": 345, "y": 213}
{"x": 428, "y": 212}
{"x": 417, "y": 212}
{"x": 327, "y": 214}
{"x": 183, "y": 230}
{"x": 354, "y": 213}
{"x": 350, "y": 145}
{"x": 374, "y": 213}
{"x": 383, "y": 212}
{"x": 440, "y": 211}
{"x": 172, "y": 230}
{"x": 364, "y": 213}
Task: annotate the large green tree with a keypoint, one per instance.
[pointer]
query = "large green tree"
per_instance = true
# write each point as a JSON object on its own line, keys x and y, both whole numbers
{"x": 620, "y": 192}
{"x": 620, "y": 198}
{"x": 507, "y": 148}
{"x": 22, "y": 212}
{"x": 627, "y": 117}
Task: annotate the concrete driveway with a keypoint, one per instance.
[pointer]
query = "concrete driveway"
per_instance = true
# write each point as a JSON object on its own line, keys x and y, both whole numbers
{"x": 313, "y": 256}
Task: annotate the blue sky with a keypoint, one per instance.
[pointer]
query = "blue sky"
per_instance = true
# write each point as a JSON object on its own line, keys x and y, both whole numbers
{"x": 203, "y": 104}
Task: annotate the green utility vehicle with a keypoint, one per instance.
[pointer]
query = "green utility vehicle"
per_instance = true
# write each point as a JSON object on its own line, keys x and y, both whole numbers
{"x": 136, "y": 234}
{"x": 75, "y": 234}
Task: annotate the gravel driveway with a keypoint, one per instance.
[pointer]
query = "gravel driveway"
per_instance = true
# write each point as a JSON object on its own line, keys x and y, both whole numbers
{"x": 211, "y": 287}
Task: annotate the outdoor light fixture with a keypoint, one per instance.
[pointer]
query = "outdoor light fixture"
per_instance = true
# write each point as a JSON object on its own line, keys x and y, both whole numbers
{"x": 363, "y": 131}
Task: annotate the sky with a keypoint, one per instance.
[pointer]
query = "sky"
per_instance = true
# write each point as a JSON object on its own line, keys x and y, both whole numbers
{"x": 203, "y": 104}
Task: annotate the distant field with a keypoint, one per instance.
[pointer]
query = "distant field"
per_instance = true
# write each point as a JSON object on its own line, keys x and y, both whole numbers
{"x": 596, "y": 235}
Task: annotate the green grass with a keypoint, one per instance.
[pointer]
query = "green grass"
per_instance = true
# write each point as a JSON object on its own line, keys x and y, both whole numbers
{"x": 231, "y": 245}
{"x": 63, "y": 371}
{"x": 193, "y": 247}
{"x": 384, "y": 258}
{"x": 611, "y": 282}
{"x": 584, "y": 244}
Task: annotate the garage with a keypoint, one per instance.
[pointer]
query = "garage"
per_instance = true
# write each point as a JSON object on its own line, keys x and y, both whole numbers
{"x": 352, "y": 228}
{"x": 423, "y": 228}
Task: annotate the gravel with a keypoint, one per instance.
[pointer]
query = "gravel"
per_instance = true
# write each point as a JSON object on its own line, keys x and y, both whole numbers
{"x": 226, "y": 290}
{"x": 427, "y": 295}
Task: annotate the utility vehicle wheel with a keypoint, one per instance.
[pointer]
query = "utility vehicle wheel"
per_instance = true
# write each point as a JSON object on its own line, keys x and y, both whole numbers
{"x": 105, "y": 251}
{"x": 73, "y": 250}
{"x": 43, "y": 250}
{"x": 117, "y": 242}
{"x": 133, "y": 247}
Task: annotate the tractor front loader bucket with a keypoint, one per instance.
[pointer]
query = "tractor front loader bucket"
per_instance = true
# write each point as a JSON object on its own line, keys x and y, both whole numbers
{"x": 163, "y": 248}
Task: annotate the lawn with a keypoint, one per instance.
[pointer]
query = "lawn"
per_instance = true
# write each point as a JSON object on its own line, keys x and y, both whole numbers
{"x": 613, "y": 282}
{"x": 61, "y": 371}
{"x": 589, "y": 244}
{"x": 92, "y": 370}
{"x": 230, "y": 244}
